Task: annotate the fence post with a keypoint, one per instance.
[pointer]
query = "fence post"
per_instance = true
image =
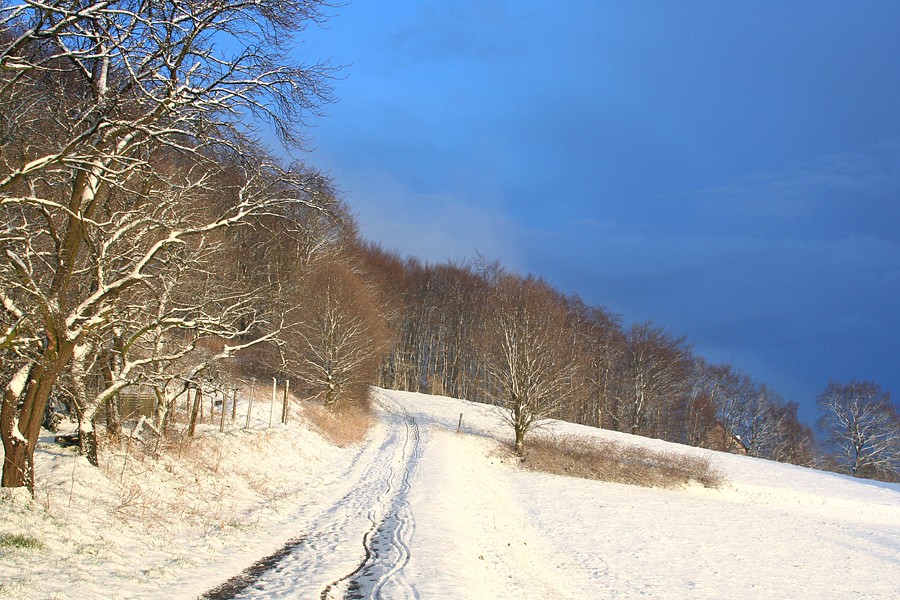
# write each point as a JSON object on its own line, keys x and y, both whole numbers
{"x": 284, "y": 406}
{"x": 187, "y": 402}
{"x": 272, "y": 403}
{"x": 197, "y": 408}
{"x": 224, "y": 410}
{"x": 250, "y": 401}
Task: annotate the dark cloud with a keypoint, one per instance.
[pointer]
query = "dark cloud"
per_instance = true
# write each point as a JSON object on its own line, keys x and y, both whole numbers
{"x": 730, "y": 170}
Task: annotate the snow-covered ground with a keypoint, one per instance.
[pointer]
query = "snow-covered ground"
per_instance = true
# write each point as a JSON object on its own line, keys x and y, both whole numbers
{"x": 421, "y": 511}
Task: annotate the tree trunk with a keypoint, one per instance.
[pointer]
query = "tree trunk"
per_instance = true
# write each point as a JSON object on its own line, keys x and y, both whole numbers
{"x": 15, "y": 465}
{"x": 195, "y": 409}
{"x": 87, "y": 442}
{"x": 20, "y": 428}
{"x": 15, "y": 450}
{"x": 113, "y": 418}
{"x": 160, "y": 409}
{"x": 520, "y": 442}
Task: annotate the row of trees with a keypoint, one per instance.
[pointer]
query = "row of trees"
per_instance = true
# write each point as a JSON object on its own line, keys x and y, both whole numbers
{"x": 476, "y": 332}
{"x": 146, "y": 237}
{"x": 148, "y": 240}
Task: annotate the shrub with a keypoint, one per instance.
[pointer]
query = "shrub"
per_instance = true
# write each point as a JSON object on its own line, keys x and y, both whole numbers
{"x": 342, "y": 424}
{"x": 619, "y": 463}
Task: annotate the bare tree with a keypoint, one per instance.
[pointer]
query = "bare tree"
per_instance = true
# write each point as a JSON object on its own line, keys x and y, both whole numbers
{"x": 658, "y": 366}
{"x": 605, "y": 346}
{"x": 792, "y": 441}
{"x": 126, "y": 108}
{"x": 528, "y": 352}
{"x": 861, "y": 422}
{"x": 697, "y": 411}
{"x": 336, "y": 334}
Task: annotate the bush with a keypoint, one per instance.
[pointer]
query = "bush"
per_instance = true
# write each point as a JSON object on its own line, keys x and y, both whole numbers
{"x": 342, "y": 424}
{"x": 619, "y": 463}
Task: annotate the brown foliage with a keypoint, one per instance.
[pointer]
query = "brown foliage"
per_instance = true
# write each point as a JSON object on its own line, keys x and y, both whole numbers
{"x": 336, "y": 334}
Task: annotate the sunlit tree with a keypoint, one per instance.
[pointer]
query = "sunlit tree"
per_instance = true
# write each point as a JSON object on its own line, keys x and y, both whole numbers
{"x": 859, "y": 419}
{"x": 528, "y": 353}
{"x": 108, "y": 170}
{"x": 336, "y": 335}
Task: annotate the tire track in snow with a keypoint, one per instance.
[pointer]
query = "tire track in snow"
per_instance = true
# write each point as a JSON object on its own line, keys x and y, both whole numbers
{"x": 378, "y": 489}
{"x": 312, "y": 540}
{"x": 386, "y": 543}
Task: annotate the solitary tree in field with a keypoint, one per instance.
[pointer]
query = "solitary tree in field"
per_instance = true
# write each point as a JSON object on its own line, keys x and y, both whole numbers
{"x": 528, "y": 353}
{"x": 862, "y": 423}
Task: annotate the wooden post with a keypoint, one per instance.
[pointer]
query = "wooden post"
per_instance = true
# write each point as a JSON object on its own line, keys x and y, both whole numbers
{"x": 284, "y": 406}
{"x": 234, "y": 404}
{"x": 224, "y": 404}
{"x": 272, "y": 403}
{"x": 250, "y": 401}
{"x": 458, "y": 427}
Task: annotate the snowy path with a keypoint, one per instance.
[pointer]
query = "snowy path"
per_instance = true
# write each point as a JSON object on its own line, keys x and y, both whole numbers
{"x": 421, "y": 511}
{"x": 359, "y": 539}
{"x": 357, "y": 546}
{"x": 387, "y": 542}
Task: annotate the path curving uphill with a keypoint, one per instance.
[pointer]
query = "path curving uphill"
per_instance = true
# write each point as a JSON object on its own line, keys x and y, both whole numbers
{"x": 361, "y": 540}
{"x": 386, "y": 543}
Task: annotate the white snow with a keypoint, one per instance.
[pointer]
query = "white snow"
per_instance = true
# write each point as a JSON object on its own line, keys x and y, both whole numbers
{"x": 442, "y": 515}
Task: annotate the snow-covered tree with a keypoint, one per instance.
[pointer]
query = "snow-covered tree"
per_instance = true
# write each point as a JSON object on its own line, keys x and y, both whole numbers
{"x": 861, "y": 422}
{"x": 110, "y": 170}
{"x": 528, "y": 353}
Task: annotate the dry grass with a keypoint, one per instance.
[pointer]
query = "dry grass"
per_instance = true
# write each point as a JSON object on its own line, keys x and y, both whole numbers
{"x": 20, "y": 541}
{"x": 620, "y": 463}
{"x": 343, "y": 424}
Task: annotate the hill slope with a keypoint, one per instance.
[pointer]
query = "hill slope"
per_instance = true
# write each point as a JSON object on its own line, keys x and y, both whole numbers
{"x": 420, "y": 511}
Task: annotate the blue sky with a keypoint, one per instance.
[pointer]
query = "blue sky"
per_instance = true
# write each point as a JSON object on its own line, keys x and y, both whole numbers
{"x": 729, "y": 170}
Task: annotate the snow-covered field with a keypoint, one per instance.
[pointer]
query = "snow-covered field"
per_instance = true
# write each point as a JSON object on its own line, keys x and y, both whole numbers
{"x": 421, "y": 511}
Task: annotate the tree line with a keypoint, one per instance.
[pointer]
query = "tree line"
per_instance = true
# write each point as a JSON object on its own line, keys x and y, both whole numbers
{"x": 478, "y": 332}
{"x": 150, "y": 240}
